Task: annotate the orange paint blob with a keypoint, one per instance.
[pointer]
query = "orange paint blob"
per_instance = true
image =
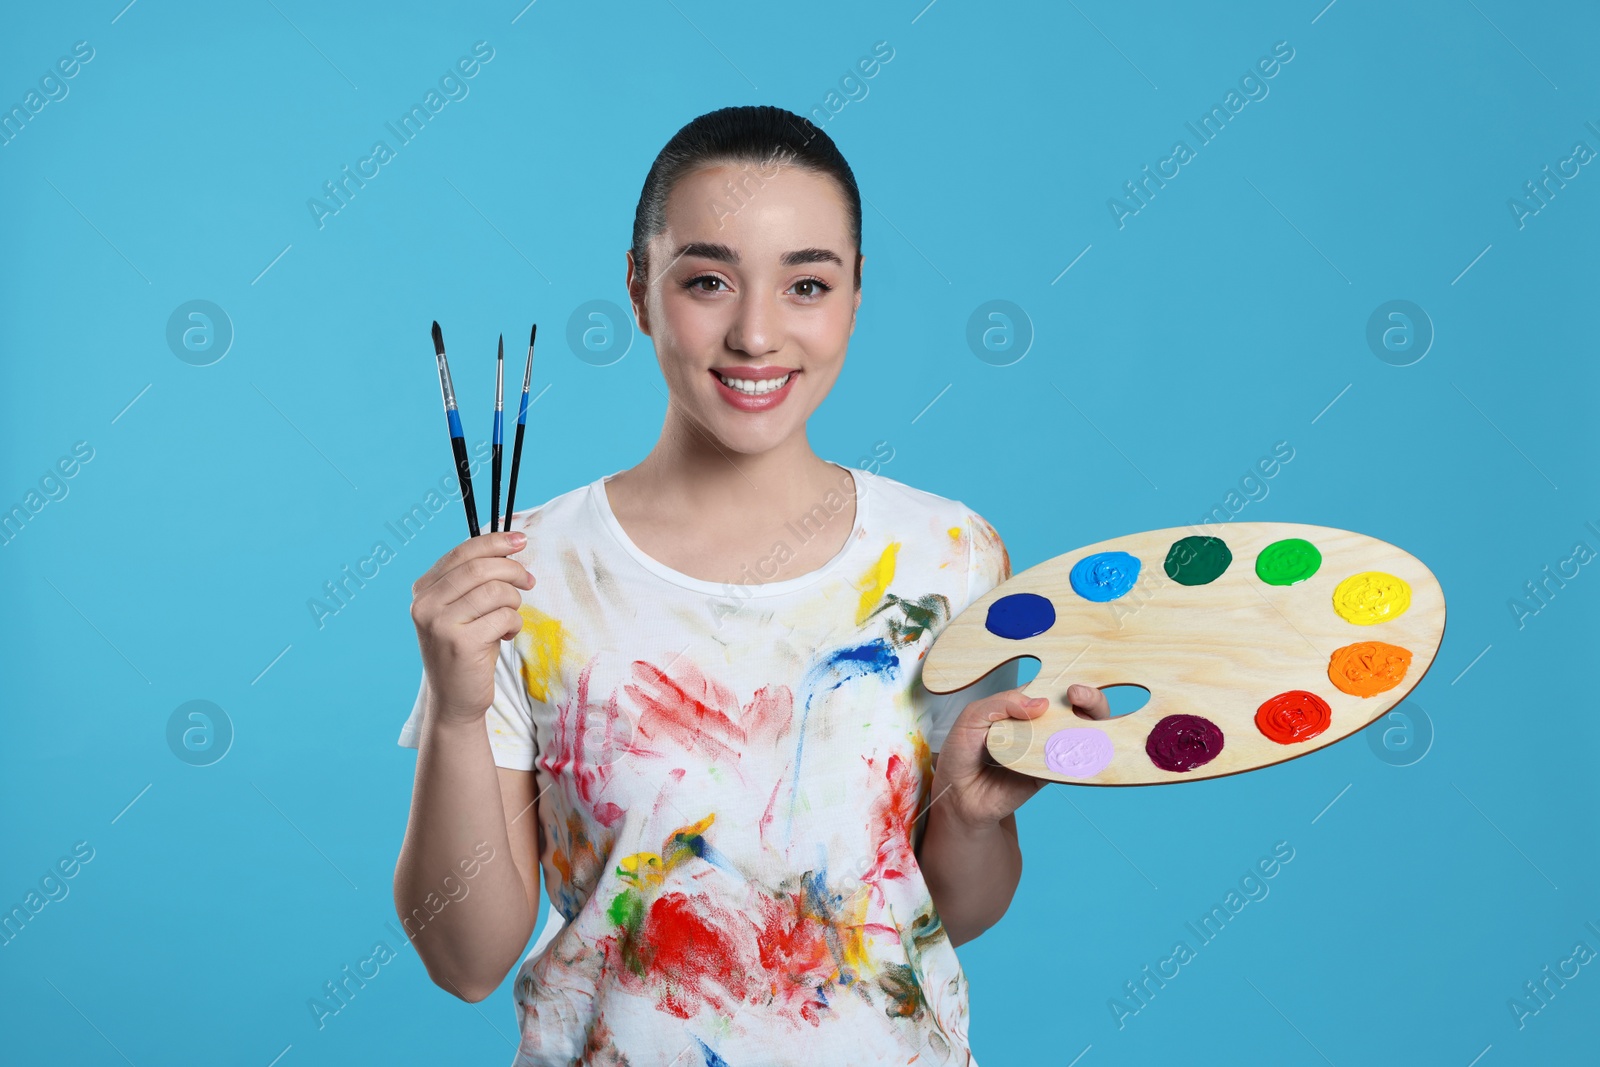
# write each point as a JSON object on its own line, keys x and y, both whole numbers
{"x": 1368, "y": 668}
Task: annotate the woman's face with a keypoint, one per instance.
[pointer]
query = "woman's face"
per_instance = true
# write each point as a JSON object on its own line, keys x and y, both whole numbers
{"x": 751, "y": 286}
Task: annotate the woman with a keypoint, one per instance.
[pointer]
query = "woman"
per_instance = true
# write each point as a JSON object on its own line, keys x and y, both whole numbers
{"x": 688, "y": 693}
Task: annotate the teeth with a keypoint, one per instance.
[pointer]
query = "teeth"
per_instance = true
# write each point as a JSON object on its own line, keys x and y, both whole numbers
{"x": 754, "y": 387}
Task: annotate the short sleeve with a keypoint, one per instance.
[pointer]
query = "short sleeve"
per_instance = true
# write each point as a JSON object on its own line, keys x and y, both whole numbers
{"x": 509, "y": 719}
{"x": 988, "y": 564}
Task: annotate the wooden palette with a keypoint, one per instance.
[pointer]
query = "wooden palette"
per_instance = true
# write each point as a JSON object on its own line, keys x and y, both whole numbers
{"x": 1210, "y": 654}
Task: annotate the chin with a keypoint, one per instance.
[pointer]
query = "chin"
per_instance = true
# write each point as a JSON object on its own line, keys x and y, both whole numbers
{"x": 749, "y": 440}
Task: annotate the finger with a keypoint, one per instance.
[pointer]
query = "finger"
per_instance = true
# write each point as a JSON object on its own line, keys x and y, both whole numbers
{"x": 487, "y": 544}
{"x": 502, "y": 624}
{"x": 1091, "y": 701}
{"x": 447, "y": 623}
{"x": 1011, "y": 704}
{"x": 479, "y": 602}
{"x": 1022, "y": 706}
{"x": 456, "y": 584}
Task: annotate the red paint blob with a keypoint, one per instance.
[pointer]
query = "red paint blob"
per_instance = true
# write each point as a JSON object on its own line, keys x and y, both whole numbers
{"x": 1293, "y": 716}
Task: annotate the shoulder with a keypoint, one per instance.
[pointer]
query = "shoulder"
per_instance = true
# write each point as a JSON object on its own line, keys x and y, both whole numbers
{"x": 897, "y": 502}
{"x": 558, "y": 514}
{"x": 912, "y": 511}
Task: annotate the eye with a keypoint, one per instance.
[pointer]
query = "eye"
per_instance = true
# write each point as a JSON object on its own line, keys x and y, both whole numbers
{"x": 694, "y": 283}
{"x": 816, "y": 287}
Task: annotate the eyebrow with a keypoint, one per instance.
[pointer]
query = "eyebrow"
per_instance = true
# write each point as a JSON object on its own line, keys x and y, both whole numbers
{"x": 724, "y": 254}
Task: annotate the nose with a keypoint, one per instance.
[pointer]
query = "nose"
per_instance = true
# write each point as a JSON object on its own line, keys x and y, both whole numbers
{"x": 756, "y": 328}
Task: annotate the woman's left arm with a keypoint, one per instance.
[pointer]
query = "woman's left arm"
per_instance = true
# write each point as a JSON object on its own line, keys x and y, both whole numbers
{"x": 969, "y": 854}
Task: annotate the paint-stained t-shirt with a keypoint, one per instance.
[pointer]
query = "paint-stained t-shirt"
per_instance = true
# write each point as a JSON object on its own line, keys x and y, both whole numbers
{"x": 731, "y": 783}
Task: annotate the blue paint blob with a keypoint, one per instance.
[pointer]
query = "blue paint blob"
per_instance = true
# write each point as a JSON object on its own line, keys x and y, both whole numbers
{"x": 1020, "y": 615}
{"x": 1104, "y": 576}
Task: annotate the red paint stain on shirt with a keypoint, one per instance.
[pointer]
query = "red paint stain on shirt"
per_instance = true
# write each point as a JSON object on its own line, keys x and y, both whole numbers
{"x": 689, "y": 958}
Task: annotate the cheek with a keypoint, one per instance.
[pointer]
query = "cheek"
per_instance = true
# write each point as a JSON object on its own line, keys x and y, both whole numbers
{"x": 825, "y": 332}
{"x": 690, "y": 324}
{"x": 823, "y": 338}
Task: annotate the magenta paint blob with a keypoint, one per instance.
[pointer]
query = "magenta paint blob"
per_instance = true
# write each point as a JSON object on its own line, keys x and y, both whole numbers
{"x": 1183, "y": 742}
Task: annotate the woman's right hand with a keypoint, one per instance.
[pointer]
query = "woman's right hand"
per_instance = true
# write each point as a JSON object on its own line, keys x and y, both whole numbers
{"x": 463, "y": 607}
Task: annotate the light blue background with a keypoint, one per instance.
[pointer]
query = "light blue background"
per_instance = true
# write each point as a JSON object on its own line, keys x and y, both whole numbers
{"x": 1224, "y": 317}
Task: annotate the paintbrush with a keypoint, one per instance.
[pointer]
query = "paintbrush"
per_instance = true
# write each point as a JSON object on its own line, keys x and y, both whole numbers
{"x": 522, "y": 420}
{"x": 457, "y": 440}
{"x": 494, "y": 477}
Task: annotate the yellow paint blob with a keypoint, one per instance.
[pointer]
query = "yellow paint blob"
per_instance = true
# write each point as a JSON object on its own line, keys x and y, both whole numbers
{"x": 1371, "y": 597}
{"x": 875, "y": 581}
{"x": 541, "y": 641}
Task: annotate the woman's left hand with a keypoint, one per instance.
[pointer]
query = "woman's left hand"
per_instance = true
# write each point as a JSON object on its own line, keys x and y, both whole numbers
{"x": 978, "y": 791}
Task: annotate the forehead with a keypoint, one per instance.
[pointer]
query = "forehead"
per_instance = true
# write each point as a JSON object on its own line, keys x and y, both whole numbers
{"x": 773, "y": 207}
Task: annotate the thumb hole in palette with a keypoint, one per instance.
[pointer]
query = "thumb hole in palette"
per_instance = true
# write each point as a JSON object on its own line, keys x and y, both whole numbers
{"x": 1123, "y": 699}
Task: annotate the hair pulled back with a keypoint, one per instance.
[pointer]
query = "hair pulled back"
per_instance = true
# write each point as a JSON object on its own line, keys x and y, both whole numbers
{"x": 761, "y": 135}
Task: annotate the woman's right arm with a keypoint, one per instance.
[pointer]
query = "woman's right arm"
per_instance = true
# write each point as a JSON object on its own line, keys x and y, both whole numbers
{"x": 462, "y": 805}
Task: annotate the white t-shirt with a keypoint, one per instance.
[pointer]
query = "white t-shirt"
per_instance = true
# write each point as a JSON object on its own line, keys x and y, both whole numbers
{"x": 731, "y": 780}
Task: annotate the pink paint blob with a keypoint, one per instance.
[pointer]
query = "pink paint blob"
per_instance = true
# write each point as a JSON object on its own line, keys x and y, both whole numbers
{"x": 1078, "y": 752}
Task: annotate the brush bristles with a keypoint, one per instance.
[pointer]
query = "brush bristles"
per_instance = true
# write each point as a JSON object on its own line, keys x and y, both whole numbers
{"x": 438, "y": 340}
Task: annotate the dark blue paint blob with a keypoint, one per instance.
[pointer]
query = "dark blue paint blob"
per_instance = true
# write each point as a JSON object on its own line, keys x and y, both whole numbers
{"x": 1104, "y": 576}
{"x": 1020, "y": 615}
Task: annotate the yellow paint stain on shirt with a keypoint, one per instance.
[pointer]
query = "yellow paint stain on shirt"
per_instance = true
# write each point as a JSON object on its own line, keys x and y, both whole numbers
{"x": 875, "y": 581}
{"x": 852, "y": 936}
{"x": 643, "y": 869}
{"x": 542, "y": 640}
{"x": 955, "y": 533}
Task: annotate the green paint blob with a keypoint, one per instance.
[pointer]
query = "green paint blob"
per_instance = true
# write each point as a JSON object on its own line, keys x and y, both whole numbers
{"x": 1197, "y": 560}
{"x": 1288, "y": 561}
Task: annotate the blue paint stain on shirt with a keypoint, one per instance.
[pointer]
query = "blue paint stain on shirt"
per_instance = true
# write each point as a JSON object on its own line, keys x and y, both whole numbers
{"x": 712, "y": 1059}
{"x": 876, "y": 657}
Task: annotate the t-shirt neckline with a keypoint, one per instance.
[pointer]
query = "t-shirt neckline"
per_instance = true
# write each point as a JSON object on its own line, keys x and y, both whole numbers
{"x": 602, "y": 508}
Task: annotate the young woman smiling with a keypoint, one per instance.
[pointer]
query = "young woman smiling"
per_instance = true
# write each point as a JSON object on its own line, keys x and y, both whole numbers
{"x": 730, "y": 789}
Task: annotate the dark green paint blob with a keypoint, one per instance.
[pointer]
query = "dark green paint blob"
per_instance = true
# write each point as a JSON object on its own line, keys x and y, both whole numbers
{"x": 1197, "y": 560}
{"x": 1288, "y": 561}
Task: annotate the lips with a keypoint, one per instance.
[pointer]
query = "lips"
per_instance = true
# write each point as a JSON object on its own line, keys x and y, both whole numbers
{"x": 745, "y": 399}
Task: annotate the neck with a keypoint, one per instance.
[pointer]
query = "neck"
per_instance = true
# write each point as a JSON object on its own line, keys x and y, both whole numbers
{"x": 689, "y": 466}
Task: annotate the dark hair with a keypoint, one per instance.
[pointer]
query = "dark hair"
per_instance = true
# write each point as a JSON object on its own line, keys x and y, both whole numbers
{"x": 758, "y": 134}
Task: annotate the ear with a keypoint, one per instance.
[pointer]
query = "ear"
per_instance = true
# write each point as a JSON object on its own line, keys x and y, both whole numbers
{"x": 638, "y": 296}
{"x": 860, "y": 261}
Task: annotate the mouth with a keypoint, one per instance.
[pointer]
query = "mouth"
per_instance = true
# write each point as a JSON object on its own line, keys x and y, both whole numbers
{"x": 761, "y": 391}
{"x": 755, "y": 386}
